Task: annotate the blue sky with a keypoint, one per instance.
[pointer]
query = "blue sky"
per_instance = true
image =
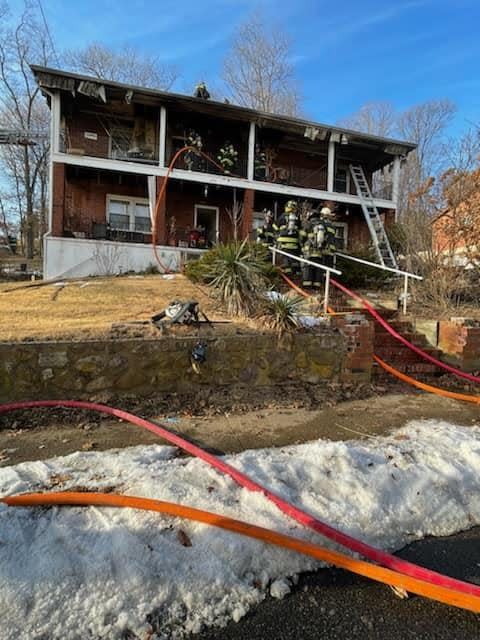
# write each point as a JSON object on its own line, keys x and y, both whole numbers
{"x": 346, "y": 54}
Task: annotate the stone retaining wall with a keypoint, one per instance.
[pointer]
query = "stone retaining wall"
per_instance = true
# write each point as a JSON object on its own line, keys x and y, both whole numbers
{"x": 83, "y": 369}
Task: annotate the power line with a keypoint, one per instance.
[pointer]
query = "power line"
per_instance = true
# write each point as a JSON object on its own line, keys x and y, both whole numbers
{"x": 48, "y": 32}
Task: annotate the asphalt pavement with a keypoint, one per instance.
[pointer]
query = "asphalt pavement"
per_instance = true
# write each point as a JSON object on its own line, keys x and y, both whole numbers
{"x": 335, "y": 604}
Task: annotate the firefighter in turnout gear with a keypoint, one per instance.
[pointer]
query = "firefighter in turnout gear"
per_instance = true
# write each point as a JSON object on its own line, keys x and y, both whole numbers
{"x": 228, "y": 157}
{"x": 290, "y": 237}
{"x": 201, "y": 91}
{"x": 267, "y": 232}
{"x": 193, "y": 140}
{"x": 319, "y": 246}
{"x": 329, "y": 244}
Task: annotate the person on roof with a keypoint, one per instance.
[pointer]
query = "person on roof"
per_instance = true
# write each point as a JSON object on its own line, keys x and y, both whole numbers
{"x": 201, "y": 91}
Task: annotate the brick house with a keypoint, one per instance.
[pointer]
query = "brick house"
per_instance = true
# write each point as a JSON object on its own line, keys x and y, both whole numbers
{"x": 111, "y": 145}
{"x": 449, "y": 235}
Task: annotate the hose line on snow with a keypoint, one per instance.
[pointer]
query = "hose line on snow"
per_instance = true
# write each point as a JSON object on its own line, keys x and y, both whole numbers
{"x": 303, "y": 517}
{"x": 360, "y": 567}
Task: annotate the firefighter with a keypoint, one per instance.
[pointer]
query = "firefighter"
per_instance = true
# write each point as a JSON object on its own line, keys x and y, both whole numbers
{"x": 194, "y": 140}
{"x": 329, "y": 244}
{"x": 228, "y": 157}
{"x": 260, "y": 164}
{"x": 201, "y": 91}
{"x": 319, "y": 246}
{"x": 290, "y": 237}
{"x": 312, "y": 249}
{"x": 267, "y": 232}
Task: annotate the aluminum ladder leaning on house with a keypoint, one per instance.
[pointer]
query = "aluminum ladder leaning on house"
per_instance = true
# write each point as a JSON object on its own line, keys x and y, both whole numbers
{"x": 374, "y": 222}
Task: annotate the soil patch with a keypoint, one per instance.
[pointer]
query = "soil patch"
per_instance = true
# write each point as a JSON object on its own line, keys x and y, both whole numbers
{"x": 37, "y": 435}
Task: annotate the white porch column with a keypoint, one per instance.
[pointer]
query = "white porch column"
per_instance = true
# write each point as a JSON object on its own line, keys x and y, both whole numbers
{"x": 251, "y": 152}
{"x": 396, "y": 179}
{"x": 55, "y": 115}
{"x": 163, "y": 137}
{"x": 331, "y": 165}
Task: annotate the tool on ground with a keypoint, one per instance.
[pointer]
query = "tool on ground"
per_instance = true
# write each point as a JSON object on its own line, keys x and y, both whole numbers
{"x": 181, "y": 312}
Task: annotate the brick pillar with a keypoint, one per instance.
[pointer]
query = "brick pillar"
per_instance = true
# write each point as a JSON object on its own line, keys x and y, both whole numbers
{"x": 58, "y": 199}
{"x": 358, "y": 332}
{"x": 162, "y": 215}
{"x": 460, "y": 339}
{"x": 247, "y": 221}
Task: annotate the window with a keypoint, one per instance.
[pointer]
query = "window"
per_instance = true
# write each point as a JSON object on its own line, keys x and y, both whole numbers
{"x": 142, "y": 217}
{"x": 342, "y": 180}
{"x": 118, "y": 215}
{"x": 341, "y": 235}
{"x": 128, "y": 214}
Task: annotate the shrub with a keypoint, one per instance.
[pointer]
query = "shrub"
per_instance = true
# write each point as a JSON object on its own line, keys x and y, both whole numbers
{"x": 360, "y": 276}
{"x": 237, "y": 272}
{"x": 281, "y": 313}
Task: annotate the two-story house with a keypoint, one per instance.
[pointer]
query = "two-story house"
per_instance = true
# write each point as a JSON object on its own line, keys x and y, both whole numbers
{"x": 112, "y": 143}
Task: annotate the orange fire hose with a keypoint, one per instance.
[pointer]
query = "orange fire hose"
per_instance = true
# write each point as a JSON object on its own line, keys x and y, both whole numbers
{"x": 426, "y": 387}
{"x": 398, "y": 374}
{"x": 386, "y": 576}
{"x": 161, "y": 196}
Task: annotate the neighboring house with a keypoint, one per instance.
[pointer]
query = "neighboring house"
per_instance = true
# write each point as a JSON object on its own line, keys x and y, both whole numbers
{"x": 111, "y": 146}
{"x": 455, "y": 234}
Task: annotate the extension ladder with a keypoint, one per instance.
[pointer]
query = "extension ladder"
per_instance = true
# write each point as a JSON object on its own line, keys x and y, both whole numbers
{"x": 375, "y": 225}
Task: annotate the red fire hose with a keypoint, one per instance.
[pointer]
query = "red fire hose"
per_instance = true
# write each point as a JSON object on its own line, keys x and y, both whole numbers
{"x": 376, "y": 555}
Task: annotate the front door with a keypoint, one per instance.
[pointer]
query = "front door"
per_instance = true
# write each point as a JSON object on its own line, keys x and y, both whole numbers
{"x": 208, "y": 218}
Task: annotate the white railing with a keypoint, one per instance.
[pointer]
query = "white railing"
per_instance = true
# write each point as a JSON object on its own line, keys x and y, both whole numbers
{"x": 328, "y": 271}
{"x": 398, "y": 272}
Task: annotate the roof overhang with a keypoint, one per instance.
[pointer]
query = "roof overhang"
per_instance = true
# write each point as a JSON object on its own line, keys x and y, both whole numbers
{"x": 57, "y": 80}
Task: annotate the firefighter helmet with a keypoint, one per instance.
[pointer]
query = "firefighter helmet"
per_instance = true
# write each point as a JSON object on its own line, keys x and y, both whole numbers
{"x": 291, "y": 206}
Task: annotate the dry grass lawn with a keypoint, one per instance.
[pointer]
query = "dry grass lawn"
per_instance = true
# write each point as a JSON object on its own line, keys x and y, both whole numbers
{"x": 87, "y": 308}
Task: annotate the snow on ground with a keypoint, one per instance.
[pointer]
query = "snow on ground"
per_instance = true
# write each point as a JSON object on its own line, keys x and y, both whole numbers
{"x": 78, "y": 573}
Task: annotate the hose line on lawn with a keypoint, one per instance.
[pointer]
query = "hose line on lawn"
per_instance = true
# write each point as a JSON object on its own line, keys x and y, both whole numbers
{"x": 398, "y": 374}
{"x": 296, "y": 513}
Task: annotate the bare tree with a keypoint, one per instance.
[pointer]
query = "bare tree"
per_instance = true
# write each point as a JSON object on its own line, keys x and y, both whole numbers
{"x": 23, "y": 110}
{"x": 126, "y": 65}
{"x": 376, "y": 118}
{"x": 235, "y": 214}
{"x": 258, "y": 71}
{"x": 425, "y": 125}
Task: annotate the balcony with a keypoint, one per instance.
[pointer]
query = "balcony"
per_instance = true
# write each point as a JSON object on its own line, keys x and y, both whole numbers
{"x": 192, "y": 161}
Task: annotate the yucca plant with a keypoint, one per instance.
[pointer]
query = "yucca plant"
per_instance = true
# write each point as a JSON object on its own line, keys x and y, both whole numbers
{"x": 237, "y": 272}
{"x": 282, "y": 313}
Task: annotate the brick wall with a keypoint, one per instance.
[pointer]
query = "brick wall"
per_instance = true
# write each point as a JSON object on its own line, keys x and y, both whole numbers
{"x": 76, "y": 136}
{"x": 358, "y": 332}
{"x": 181, "y": 201}
{"x": 58, "y": 198}
{"x": 460, "y": 338}
{"x": 86, "y": 197}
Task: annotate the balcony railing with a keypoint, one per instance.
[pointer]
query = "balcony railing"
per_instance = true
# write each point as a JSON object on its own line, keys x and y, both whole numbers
{"x": 192, "y": 161}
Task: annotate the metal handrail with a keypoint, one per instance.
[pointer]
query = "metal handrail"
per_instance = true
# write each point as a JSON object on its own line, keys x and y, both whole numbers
{"x": 328, "y": 271}
{"x": 406, "y": 275}
{"x": 379, "y": 266}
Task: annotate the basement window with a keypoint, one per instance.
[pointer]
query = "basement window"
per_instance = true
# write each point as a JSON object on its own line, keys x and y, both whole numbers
{"x": 128, "y": 214}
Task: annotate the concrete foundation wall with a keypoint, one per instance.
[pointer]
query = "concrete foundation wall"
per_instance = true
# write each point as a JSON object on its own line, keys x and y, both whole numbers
{"x": 142, "y": 367}
{"x": 78, "y": 257}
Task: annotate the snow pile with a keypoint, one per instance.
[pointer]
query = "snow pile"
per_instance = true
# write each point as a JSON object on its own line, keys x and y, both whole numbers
{"x": 111, "y": 573}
